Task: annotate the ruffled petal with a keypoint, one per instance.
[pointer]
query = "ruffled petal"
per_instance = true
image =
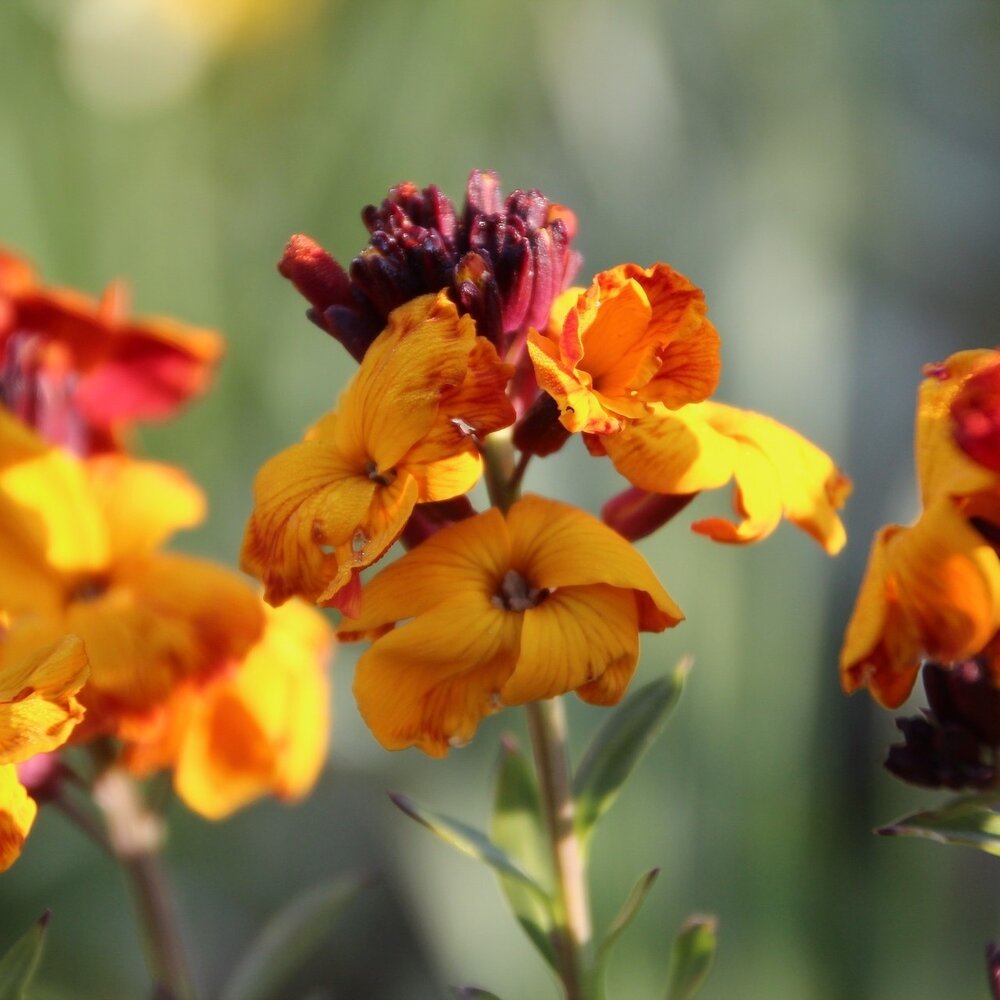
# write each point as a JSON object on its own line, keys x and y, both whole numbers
{"x": 17, "y": 814}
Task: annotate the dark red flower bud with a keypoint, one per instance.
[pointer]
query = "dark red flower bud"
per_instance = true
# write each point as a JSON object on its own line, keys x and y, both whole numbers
{"x": 636, "y": 513}
{"x": 976, "y": 415}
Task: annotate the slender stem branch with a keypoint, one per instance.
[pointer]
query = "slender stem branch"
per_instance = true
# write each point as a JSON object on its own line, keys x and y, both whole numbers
{"x": 136, "y": 836}
{"x": 547, "y": 725}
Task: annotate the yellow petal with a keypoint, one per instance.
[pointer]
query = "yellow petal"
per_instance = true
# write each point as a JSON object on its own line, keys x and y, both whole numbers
{"x": 17, "y": 813}
{"x": 430, "y": 682}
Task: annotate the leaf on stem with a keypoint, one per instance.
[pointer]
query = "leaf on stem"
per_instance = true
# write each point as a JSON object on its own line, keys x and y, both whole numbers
{"x": 289, "y": 939}
{"x": 691, "y": 956}
{"x": 970, "y": 821}
{"x": 468, "y": 840}
{"x": 473, "y": 993}
{"x": 18, "y": 965}
{"x": 517, "y": 827}
{"x": 620, "y": 744}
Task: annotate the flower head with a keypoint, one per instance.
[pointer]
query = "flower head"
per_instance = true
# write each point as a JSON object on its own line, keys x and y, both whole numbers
{"x": 80, "y": 372}
{"x": 505, "y": 610}
{"x": 328, "y": 507}
{"x": 502, "y": 261}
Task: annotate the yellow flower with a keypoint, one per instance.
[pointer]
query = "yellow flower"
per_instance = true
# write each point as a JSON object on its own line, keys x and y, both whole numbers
{"x": 506, "y": 610}
{"x": 777, "y": 472}
{"x": 38, "y": 711}
{"x": 261, "y": 728}
{"x": 931, "y": 589}
{"x": 635, "y": 337}
{"x": 78, "y": 555}
{"x": 328, "y": 507}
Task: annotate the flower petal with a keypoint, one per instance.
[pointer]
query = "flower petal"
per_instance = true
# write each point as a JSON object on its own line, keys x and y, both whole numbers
{"x": 17, "y": 813}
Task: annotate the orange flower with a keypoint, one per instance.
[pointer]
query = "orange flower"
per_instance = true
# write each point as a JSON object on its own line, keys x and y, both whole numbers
{"x": 505, "y": 610}
{"x": 78, "y": 554}
{"x": 260, "y": 728}
{"x": 38, "y": 711}
{"x": 931, "y": 589}
{"x": 635, "y": 337}
{"x": 80, "y": 371}
{"x": 331, "y": 505}
{"x": 777, "y": 472}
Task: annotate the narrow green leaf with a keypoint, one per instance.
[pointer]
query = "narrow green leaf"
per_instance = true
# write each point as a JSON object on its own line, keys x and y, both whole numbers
{"x": 971, "y": 821}
{"x": 288, "y": 940}
{"x": 619, "y": 745}
{"x": 627, "y": 913}
{"x": 691, "y": 956}
{"x": 466, "y": 839}
{"x": 517, "y": 828}
{"x": 473, "y": 993}
{"x": 18, "y": 965}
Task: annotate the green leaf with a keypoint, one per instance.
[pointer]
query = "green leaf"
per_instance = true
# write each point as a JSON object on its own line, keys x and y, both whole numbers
{"x": 691, "y": 957}
{"x": 619, "y": 745}
{"x": 288, "y": 940}
{"x": 970, "y": 821}
{"x": 473, "y": 993}
{"x": 18, "y": 965}
{"x": 627, "y": 913}
{"x": 468, "y": 840}
{"x": 517, "y": 828}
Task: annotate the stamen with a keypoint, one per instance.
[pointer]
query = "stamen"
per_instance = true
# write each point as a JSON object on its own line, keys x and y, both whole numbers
{"x": 386, "y": 478}
{"x": 516, "y": 594}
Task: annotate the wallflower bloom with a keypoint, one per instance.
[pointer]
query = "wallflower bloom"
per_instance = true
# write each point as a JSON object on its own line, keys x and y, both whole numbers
{"x": 38, "y": 710}
{"x": 78, "y": 554}
{"x": 259, "y": 728}
{"x": 328, "y": 507}
{"x": 635, "y": 337}
{"x": 80, "y": 371}
{"x": 505, "y": 610}
{"x": 931, "y": 589}
{"x": 776, "y": 472}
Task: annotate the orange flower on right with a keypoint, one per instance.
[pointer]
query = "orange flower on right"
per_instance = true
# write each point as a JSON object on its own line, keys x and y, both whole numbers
{"x": 932, "y": 590}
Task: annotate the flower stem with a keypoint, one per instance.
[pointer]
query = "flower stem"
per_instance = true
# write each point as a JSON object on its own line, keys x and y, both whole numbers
{"x": 136, "y": 836}
{"x": 572, "y": 933}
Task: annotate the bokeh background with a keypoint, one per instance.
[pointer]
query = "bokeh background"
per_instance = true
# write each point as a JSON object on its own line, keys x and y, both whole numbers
{"x": 827, "y": 170}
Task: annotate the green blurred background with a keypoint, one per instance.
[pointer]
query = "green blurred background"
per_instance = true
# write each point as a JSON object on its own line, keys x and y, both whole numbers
{"x": 827, "y": 170}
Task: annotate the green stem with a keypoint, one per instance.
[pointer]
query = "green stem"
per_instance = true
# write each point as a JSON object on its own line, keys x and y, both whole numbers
{"x": 136, "y": 837}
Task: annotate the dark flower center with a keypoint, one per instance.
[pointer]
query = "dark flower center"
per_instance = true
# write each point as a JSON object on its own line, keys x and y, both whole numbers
{"x": 516, "y": 594}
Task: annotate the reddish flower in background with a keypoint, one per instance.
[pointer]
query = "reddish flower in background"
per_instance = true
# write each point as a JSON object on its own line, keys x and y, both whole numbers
{"x": 81, "y": 371}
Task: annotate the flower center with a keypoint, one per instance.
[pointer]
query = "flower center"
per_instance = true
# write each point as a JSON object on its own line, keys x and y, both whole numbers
{"x": 89, "y": 588}
{"x": 386, "y": 478}
{"x": 516, "y": 594}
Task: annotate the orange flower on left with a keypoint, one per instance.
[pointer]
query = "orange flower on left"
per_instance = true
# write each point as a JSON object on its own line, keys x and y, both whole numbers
{"x": 79, "y": 554}
{"x": 38, "y": 710}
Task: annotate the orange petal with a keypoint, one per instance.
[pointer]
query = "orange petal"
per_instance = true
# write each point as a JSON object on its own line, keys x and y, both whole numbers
{"x": 481, "y": 401}
{"x": 430, "y": 682}
{"x": 17, "y": 813}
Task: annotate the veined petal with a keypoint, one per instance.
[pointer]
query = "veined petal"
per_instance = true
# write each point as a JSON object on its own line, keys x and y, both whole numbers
{"x": 470, "y": 556}
{"x": 17, "y": 813}
{"x": 571, "y": 641}
{"x": 445, "y": 463}
{"x": 481, "y": 401}
{"x": 556, "y": 545}
{"x": 430, "y": 682}
{"x": 38, "y": 709}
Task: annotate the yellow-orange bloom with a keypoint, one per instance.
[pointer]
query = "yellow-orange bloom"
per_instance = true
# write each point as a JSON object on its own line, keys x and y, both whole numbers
{"x": 635, "y": 337}
{"x": 776, "y": 472}
{"x": 331, "y": 505}
{"x": 931, "y": 589}
{"x": 38, "y": 711}
{"x": 505, "y": 610}
{"x": 78, "y": 555}
{"x": 259, "y": 729}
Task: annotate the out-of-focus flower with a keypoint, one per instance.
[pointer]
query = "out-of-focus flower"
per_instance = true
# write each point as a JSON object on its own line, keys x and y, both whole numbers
{"x": 38, "y": 710}
{"x": 81, "y": 371}
{"x": 931, "y": 589}
{"x": 259, "y": 728}
{"x": 328, "y": 507}
{"x": 222, "y": 24}
{"x": 502, "y": 261}
{"x": 505, "y": 610}
{"x": 79, "y": 555}
{"x": 635, "y": 337}
{"x": 677, "y": 453}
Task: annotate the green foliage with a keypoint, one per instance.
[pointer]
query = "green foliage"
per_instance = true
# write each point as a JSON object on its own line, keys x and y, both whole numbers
{"x": 620, "y": 744}
{"x": 289, "y": 939}
{"x": 626, "y": 914}
{"x": 473, "y": 993}
{"x": 517, "y": 828}
{"x": 18, "y": 965}
{"x": 691, "y": 957}
{"x": 970, "y": 821}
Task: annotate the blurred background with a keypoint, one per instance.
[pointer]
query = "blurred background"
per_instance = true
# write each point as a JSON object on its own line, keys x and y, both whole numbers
{"x": 827, "y": 170}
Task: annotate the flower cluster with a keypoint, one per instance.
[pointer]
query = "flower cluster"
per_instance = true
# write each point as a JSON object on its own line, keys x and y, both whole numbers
{"x": 931, "y": 592}
{"x": 474, "y": 356}
{"x": 171, "y": 661}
